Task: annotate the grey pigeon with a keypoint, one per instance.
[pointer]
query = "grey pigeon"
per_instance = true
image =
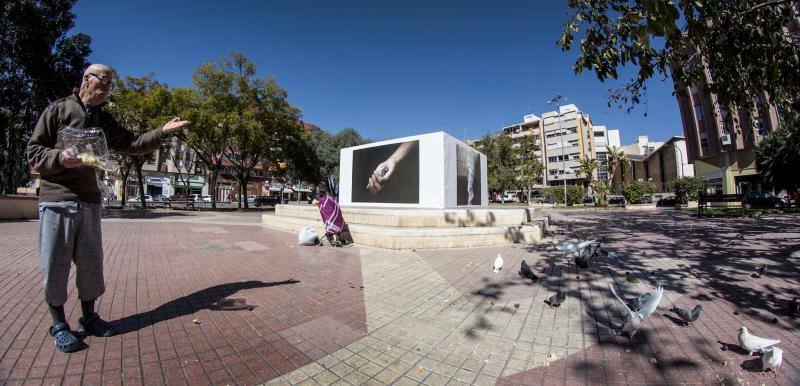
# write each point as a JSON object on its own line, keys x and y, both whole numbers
{"x": 557, "y": 299}
{"x": 794, "y": 307}
{"x": 635, "y": 319}
{"x": 760, "y": 271}
{"x": 526, "y": 271}
{"x": 687, "y": 315}
{"x": 772, "y": 358}
{"x": 635, "y": 304}
{"x": 752, "y": 343}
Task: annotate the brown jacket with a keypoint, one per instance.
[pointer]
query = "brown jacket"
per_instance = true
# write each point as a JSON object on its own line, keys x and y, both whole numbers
{"x": 77, "y": 184}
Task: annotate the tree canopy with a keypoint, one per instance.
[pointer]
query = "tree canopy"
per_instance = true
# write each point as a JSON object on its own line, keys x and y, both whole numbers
{"x": 39, "y": 63}
{"x": 741, "y": 44}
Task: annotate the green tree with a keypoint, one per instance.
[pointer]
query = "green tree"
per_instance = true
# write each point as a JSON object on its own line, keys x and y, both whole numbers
{"x": 575, "y": 194}
{"x": 587, "y": 167}
{"x": 531, "y": 168}
{"x": 743, "y": 43}
{"x": 501, "y": 162}
{"x": 327, "y": 147}
{"x": 38, "y": 64}
{"x": 778, "y": 155}
{"x": 689, "y": 188}
{"x": 617, "y": 159}
{"x": 140, "y": 105}
{"x": 601, "y": 189}
{"x": 636, "y": 190}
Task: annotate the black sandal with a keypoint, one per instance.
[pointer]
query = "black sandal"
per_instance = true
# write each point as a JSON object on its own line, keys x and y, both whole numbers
{"x": 65, "y": 340}
{"x": 93, "y": 325}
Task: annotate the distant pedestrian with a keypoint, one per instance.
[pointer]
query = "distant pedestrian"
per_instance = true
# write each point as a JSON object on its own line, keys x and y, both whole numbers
{"x": 69, "y": 200}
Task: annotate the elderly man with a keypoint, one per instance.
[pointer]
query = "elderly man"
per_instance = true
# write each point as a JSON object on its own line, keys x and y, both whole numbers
{"x": 69, "y": 200}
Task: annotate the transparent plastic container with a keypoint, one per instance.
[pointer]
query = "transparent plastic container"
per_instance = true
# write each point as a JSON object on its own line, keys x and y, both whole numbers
{"x": 89, "y": 144}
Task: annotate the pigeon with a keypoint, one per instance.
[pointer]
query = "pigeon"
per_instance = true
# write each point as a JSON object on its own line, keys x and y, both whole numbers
{"x": 752, "y": 343}
{"x": 586, "y": 256}
{"x": 688, "y": 315}
{"x": 772, "y": 358}
{"x": 526, "y": 271}
{"x": 498, "y": 264}
{"x": 635, "y": 304}
{"x": 573, "y": 246}
{"x": 794, "y": 307}
{"x": 761, "y": 270}
{"x": 557, "y": 299}
{"x": 635, "y": 319}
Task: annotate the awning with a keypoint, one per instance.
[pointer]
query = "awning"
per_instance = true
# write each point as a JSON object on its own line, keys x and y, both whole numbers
{"x": 303, "y": 190}
{"x": 287, "y": 190}
{"x": 274, "y": 189}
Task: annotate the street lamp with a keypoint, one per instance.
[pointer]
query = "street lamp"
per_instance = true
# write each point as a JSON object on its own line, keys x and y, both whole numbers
{"x": 555, "y": 102}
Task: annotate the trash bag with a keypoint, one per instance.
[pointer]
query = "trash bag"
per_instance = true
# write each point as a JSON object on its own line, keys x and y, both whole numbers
{"x": 308, "y": 236}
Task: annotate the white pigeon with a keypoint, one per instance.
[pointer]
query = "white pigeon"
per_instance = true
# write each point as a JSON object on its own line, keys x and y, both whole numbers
{"x": 498, "y": 264}
{"x": 635, "y": 319}
{"x": 573, "y": 246}
{"x": 751, "y": 343}
{"x": 772, "y": 358}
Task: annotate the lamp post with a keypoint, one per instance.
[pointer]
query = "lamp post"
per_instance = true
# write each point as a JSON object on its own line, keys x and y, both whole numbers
{"x": 555, "y": 102}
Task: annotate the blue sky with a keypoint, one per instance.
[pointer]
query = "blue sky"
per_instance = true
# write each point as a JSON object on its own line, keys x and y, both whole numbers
{"x": 386, "y": 68}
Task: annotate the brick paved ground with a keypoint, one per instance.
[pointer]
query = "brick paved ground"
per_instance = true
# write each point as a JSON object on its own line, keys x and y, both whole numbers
{"x": 362, "y": 315}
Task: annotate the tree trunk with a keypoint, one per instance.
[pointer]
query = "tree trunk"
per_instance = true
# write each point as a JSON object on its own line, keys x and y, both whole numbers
{"x": 213, "y": 187}
{"x": 124, "y": 196}
{"x": 246, "y": 179}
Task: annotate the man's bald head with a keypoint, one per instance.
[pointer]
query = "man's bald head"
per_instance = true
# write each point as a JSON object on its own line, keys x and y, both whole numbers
{"x": 96, "y": 84}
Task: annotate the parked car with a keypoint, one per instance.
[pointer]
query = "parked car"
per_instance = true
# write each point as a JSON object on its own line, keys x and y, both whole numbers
{"x": 538, "y": 198}
{"x": 251, "y": 199}
{"x": 761, "y": 199}
{"x": 195, "y": 197}
{"x": 206, "y": 198}
{"x": 667, "y": 201}
{"x": 644, "y": 200}
{"x": 588, "y": 200}
{"x": 510, "y": 196}
{"x": 147, "y": 198}
{"x": 616, "y": 200}
{"x": 260, "y": 201}
{"x": 159, "y": 198}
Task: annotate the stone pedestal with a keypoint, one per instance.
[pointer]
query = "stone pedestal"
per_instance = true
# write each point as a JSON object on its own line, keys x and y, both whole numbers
{"x": 421, "y": 228}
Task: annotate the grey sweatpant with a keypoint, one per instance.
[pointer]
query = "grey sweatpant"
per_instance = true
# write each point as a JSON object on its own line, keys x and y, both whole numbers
{"x": 70, "y": 232}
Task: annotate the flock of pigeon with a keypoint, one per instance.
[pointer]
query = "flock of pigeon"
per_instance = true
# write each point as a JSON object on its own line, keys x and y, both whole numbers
{"x": 640, "y": 308}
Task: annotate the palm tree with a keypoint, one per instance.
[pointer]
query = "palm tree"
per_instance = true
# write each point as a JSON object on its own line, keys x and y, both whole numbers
{"x": 616, "y": 157}
{"x": 586, "y": 167}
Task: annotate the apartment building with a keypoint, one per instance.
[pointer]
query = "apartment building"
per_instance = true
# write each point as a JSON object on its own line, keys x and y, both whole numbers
{"x": 568, "y": 137}
{"x": 603, "y": 137}
{"x": 531, "y": 125}
{"x": 580, "y": 140}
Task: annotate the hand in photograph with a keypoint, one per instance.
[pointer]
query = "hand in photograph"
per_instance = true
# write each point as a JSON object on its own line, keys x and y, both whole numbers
{"x": 383, "y": 173}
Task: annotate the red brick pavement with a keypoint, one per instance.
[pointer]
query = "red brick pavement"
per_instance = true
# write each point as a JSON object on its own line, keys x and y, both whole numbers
{"x": 162, "y": 275}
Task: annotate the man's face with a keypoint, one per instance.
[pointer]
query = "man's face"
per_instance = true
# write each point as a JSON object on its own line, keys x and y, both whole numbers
{"x": 97, "y": 85}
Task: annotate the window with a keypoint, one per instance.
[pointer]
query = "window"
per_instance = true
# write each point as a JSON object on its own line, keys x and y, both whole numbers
{"x": 599, "y": 134}
{"x": 698, "y": 112}
{"x": 704, "y": 142}
{"x": 151, "y": 160}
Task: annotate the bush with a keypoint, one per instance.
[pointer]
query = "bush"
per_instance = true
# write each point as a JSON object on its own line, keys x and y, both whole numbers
{"x": 575, "y": 194}
{"x": 688, "y": 188}
{"x": 634, "y": 191}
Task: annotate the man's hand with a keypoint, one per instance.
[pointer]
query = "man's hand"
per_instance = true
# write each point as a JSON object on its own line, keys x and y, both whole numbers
{"x": 174, "y": 124}
{"x": 69, "y": 159}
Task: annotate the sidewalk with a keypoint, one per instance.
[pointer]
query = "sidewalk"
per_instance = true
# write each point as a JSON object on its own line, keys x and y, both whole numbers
{"x": 358, "y": 315}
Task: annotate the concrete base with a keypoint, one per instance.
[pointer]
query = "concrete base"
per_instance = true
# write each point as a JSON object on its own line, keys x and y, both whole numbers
{"x": 421, "y": 228}
{"x": 19, "y": 207}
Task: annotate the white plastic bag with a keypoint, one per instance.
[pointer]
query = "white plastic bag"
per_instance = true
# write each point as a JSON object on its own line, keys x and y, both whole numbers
{"x": 308, "y": 236}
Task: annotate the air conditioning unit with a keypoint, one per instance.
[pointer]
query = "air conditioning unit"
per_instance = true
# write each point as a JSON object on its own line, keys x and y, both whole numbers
{"x": 725, "y": 139}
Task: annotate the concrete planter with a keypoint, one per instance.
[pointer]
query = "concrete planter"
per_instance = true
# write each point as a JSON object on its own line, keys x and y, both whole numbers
{"x": 14, "y": 207}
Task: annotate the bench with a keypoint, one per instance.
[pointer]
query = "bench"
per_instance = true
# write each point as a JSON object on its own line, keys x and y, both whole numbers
{"x": 705, "y": 199}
